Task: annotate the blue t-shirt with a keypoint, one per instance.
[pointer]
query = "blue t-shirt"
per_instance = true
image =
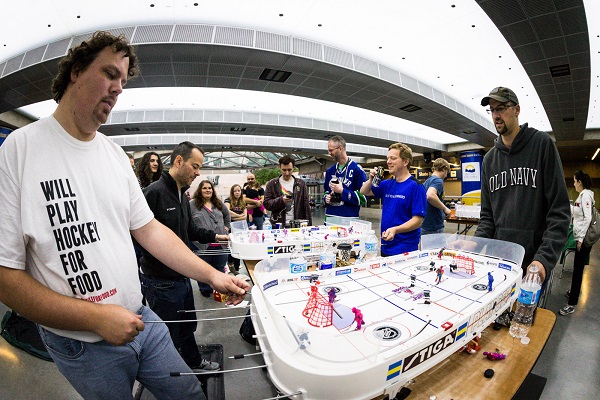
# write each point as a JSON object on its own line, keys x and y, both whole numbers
{"x": 434, "y": 220}
{"x": 401, "y": 201}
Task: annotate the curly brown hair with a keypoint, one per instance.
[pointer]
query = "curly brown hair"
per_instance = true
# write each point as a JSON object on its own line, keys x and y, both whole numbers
{"x": 80, "y": 57}
{"x": 144, "y": 173}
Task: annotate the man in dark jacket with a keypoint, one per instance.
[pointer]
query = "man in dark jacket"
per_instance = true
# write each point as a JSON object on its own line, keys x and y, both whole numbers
{"x": 165, "y": 290}
{"x": 287, "y": 197}
{"x": 524, "y": 197}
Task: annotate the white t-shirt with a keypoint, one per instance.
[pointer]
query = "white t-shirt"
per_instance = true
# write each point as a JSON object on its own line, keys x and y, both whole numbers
{"x": 66, "y": 208}
{"x": 289, "y": 208}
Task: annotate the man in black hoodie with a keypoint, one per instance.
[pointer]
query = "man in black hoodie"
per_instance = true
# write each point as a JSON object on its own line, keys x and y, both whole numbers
{"x": 524, "y": 197}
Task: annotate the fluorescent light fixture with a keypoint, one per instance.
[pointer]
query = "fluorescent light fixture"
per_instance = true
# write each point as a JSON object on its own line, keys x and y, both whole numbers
{"x": 596, "y": 153}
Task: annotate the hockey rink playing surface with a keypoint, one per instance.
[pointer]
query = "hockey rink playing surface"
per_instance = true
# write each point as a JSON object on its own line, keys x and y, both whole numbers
{"x": 394, "y": 307}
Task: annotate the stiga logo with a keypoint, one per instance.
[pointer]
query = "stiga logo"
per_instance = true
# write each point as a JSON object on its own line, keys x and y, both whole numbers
{"x": 284, "y": 249}
{"x": 423, "y": 255}
{"x": 426, "y": 353}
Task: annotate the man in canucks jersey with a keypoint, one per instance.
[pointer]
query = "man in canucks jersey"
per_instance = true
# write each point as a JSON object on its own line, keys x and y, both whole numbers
{"x": 343, "y": 181}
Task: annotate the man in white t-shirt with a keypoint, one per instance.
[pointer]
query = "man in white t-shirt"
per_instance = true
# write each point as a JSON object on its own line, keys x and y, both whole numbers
{"x": 66, "y": 257}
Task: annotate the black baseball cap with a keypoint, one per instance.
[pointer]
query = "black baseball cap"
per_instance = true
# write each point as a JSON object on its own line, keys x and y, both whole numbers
{"x": 501, "y": 94}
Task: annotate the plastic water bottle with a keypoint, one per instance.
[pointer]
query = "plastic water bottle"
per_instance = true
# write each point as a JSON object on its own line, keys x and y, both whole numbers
{"x": 371, "y": 245}
{"x": 526, "y": 303}
{"x": 267, "y": 225}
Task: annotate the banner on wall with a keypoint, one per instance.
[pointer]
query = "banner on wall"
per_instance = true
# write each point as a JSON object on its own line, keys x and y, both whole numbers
{"x": 4, "y": 132}
{"x": 471, "y": 171}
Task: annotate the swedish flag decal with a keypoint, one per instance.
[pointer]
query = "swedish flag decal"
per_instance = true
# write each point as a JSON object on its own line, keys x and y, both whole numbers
{"x": 462, "y": 330}
{"x": 394, "y": 370}
{"x": 356, "y": 243}
{"x": 270, "y": 250}
{"x": 306, "y": 247}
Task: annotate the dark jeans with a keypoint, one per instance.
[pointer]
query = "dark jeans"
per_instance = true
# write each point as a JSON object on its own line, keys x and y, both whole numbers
{"x": 258, "y": 221}
{"x": 165, "y": 297}
{"x": 578, "y": 266}
{"x": 216, "y": 260}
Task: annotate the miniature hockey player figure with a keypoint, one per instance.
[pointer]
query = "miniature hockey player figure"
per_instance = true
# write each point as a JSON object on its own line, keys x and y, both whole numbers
{"x": 432, "y": 266}
{"x": 413, "y": 278}
{"x": 439, "y": 273}
{"x": 358, "y": 318}
{"x": 427, "y": 295}
{"x": 453, "y": 266}
{"x": 490, "y": 281}
{"x": 441, "y": 253}
{"x": 303, "y": 337}
{"x": 494, "y": 356}
{"x": 332, "y": 295}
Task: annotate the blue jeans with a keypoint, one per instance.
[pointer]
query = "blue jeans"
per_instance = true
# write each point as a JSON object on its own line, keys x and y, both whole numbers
{"x": 165, "y": 297}
{"x": 103, "y": 371}
{"x": 424, "y": 232}
{"x": 216, "y": 260}
{"x": 258, "y": 221}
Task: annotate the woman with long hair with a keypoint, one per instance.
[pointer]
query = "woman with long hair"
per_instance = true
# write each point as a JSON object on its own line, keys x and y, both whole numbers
{"x": 209, "y": 213}
{"x": 149, "y": 169}
{"x": 582, "y": 217}
{"x": 237, "y": 210}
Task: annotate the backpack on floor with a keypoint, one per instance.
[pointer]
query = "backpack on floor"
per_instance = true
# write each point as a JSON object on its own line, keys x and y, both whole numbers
{"x": 593, "y": 232}
{"x": 23, "y": 333}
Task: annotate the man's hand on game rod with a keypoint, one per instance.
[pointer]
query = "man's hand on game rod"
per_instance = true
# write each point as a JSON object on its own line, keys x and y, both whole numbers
{"x": 117, "y": 325}
{"x": 234, "y": 287}
{"x": 222, "y": 238}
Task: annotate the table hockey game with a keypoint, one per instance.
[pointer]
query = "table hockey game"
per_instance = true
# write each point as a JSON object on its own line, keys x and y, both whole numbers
{"x": 361, "y": 331}
{"x": 258, "y": 245}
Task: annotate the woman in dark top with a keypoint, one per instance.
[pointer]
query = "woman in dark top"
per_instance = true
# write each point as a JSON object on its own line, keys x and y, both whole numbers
{"x": 149, "y": 169}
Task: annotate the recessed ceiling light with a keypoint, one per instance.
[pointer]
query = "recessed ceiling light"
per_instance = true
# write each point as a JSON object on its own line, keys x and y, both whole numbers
{"x": 151, "y": 147}
{"x": 281, "y": 15}
{"x": 320, "y": 25}
{"x": 237, "y": 129}
{"x": 49, "y": 25}
{"x": 274, "y": 75}
{"x": 79, "y": 16}
{"x": 151, "y": 5}
{"x": 411, "y": 108}
{"x": 132, "y": 129}
{"x": 560, "y": 70}
{"x": 226, "y": 147}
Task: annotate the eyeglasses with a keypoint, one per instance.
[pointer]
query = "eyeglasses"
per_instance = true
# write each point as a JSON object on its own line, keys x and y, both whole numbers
{"x": 332, "y": 150}
{"x": 499, "y": 109}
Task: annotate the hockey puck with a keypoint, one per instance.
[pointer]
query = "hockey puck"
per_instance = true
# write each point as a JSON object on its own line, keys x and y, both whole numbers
{"x": 488, "y": 373}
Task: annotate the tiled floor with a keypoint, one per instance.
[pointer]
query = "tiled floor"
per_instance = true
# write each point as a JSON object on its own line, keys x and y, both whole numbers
{"x": 570, "y": 360}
